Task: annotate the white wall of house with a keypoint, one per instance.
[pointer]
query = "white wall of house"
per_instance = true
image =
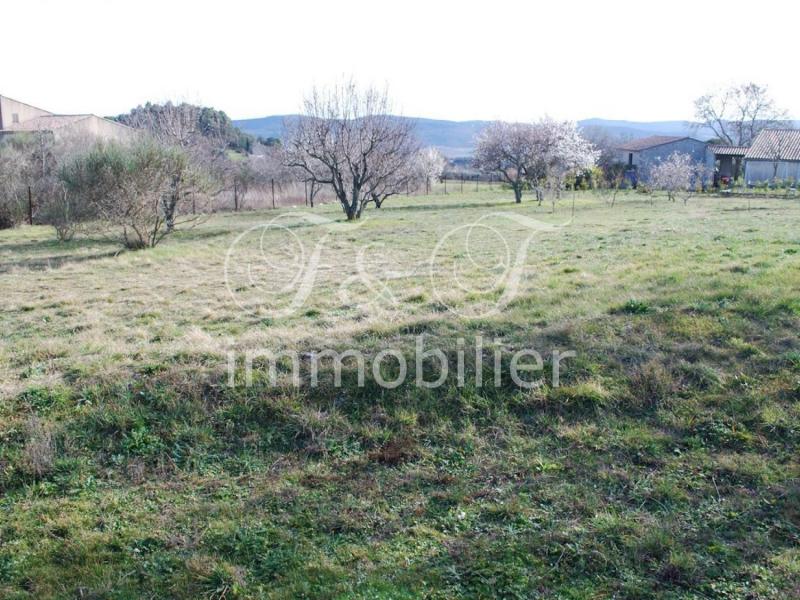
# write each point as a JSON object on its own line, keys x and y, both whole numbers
{"x": 764, "y": 170}
{"x": 12, "y": 112}
{"x": 94, "y": 127}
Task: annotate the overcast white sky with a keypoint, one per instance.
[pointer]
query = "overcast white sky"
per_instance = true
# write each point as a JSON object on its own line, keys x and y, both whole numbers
{"x": 453, "y": 60}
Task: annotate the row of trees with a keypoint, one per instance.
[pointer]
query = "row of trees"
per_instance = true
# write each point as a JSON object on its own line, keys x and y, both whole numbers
{"x": 346, "y": 141}
{"x": 172, "y": 174}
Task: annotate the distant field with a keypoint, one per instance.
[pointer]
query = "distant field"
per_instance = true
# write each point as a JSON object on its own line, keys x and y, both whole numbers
{"x": 665, "y": 465}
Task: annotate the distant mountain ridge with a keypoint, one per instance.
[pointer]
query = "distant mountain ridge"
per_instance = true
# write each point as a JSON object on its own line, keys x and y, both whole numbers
{"x": 457, "y": 138}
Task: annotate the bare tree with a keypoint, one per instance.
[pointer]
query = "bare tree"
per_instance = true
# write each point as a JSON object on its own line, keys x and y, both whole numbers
{"x": 402, "y": 180}
{"x": 737, "y": 114}
{"x": 347, "y": 139}
{"x": 775, "y": 143}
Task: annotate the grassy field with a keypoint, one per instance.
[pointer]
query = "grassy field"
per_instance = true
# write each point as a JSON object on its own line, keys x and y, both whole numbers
{"x": 665, "y": 465}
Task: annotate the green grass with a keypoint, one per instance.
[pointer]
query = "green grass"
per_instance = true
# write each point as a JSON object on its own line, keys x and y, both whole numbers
{"x": 664, "y": 466}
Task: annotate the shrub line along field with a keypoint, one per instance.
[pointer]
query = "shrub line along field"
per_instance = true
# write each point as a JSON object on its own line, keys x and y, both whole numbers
{"x": 665, "y": 465}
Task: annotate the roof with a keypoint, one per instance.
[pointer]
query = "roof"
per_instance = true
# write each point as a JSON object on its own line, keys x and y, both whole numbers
{"x": 46, "y": 123}
{"x": 651, "y": 142}
{"x": 720, "y": 150}
{"x": 783, "y": 144}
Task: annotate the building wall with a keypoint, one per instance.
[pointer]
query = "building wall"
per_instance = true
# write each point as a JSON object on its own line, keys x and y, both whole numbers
{"x": 9, "y": 107}
{"x": 623, "y": 156}
{"x": 762, "y": 170}
{"x": 647, "y": 159}
{"x": 96, "y": 128}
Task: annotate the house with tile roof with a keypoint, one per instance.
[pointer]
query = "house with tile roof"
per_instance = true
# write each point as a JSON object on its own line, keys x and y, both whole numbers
{"x": 18, "y": 117}
{"x": 774, "y": 154}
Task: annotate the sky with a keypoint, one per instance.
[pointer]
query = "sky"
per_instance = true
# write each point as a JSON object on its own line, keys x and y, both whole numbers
{"x": 440, "y": 59}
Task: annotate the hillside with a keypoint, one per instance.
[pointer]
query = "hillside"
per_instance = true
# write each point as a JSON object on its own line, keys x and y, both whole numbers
{"x": 457, "y": 138}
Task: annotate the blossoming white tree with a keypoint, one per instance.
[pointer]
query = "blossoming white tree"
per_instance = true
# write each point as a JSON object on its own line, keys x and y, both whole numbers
{"x": 430, "y": 164}
{"x": 540, "y": 155}
{"x": 508, "y": 149}
{"x": 565, "y": 153}
{"x": 679, "y": 176}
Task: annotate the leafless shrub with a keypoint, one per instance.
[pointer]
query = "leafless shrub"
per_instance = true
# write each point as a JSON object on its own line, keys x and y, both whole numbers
{"x": 140, "y": 192}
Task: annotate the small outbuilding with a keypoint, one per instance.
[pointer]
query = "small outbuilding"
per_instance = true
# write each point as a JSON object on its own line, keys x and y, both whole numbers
{"x": 727, "y": 162}
{"x": 774, "y": 154}
{"x": 640, "y": 155}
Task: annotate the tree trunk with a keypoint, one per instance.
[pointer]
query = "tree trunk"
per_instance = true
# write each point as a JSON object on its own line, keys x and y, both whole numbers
{"x": 518, "y": 193}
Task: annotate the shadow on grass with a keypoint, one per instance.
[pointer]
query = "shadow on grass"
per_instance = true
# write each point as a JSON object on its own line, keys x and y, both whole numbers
{"x": 54, "y": 262}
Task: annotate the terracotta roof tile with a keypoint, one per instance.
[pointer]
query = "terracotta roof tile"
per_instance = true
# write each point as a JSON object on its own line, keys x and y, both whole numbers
{"x": 728, "y": 150}
{"x": 783, "y": 144}
{"x": 650, "y": 142}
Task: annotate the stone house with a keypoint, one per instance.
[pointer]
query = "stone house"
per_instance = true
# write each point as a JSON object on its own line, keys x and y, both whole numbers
{"x": 17, "y": 117}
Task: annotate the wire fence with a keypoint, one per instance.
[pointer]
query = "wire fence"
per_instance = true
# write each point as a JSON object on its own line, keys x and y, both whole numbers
{"x": 276, "y": 193}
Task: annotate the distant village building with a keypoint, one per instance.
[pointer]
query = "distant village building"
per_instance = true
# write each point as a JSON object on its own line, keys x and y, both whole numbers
{"x": 774, "y": 154}
{"x": 639, "y": 156}
{"x": 17, "y": 117}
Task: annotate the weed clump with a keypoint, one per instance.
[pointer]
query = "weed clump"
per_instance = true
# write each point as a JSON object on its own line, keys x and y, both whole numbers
{"x": 632, "y": 307}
